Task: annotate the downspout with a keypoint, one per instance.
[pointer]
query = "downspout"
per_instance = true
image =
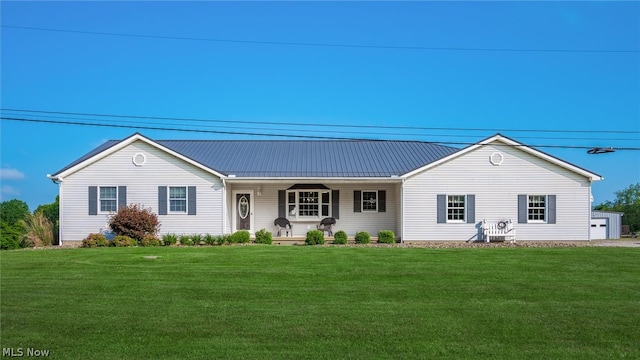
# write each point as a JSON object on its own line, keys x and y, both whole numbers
{"x": 58, "y": 181}
{"x": 224, "y": 206}
{"x": 402, "y": 211}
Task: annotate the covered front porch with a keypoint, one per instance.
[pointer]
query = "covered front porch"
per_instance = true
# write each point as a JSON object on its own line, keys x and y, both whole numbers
{"x": 368, "y": 205}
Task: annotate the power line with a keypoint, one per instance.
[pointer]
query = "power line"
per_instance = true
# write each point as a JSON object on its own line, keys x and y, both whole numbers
{"x": 322, "y": 125}
{"x": 287, "y": 43}
{"x": 281, "y": 135}
{"x": 281, "y": 130}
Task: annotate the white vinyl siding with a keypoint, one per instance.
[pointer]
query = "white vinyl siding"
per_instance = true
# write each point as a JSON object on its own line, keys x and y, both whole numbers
{"x": 496, "y": 190}
{"x": 142, "y": 184}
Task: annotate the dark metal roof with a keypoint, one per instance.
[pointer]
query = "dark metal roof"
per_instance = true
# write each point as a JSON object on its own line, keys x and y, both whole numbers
{"x": 299, "y": 158}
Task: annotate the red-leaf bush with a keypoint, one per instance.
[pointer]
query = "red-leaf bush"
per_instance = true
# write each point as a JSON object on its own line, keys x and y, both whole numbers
{"x": 135, "y": 222}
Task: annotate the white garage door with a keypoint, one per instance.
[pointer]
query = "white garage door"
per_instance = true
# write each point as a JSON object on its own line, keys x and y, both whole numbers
{"x": 598, "y": 229}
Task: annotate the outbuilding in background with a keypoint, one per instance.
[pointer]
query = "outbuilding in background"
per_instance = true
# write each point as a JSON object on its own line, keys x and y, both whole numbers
{"x": 606, "y": 225}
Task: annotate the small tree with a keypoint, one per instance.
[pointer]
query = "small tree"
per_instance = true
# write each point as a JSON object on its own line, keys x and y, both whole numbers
{"x": 627, "y": 201}
{"x": 135, "y": 222}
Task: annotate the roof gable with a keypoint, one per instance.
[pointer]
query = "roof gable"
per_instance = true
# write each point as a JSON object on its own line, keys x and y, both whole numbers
{"x": 111, "y": 146}
{"x": 510, "y": 142}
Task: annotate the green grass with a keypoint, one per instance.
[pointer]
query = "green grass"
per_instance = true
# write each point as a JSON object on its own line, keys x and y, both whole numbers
{"x": 262, "y": 302}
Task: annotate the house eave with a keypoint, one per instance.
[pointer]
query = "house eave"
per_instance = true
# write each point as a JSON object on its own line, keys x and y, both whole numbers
{"x": 306, "y": 179}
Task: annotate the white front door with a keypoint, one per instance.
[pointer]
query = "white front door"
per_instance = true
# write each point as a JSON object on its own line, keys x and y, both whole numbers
{"x": 243, "y": 210}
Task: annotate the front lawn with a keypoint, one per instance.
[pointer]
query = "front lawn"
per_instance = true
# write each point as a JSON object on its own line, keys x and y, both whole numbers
{"x": 270, "y": 302}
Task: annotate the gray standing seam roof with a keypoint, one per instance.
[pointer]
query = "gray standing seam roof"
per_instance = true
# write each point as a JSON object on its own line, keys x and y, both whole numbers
{"x": 299, "y": 158}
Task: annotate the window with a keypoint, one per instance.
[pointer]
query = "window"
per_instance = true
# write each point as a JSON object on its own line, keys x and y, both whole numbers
{"x": 536, "y": 209}
{"x": 369, "y": 201}
{"x": 308, "y": 203}
{"x": 455, "y": 208}
{"x": 178, "y": 199}
{"x": 108, "y": 199}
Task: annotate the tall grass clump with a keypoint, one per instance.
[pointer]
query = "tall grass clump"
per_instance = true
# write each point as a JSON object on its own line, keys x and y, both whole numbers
{"x": 38, "y": 230}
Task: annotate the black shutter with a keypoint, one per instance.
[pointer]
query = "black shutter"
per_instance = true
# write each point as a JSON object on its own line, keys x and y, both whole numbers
{"x": 551, "y": 209}
{"x": 93, "y": 200}
{"x": 442, "y": 209}
{"x": 282, "y": 204}
{"x": 471, "y": 209}
{"x": 357, "y": 201}
{"x": 522, "y": 209}
{"x": 191, "y": 200}
{"x": 122, "y": 196}
{"x": 162, "y": 200}
{"x": 382, "y": 200}
{"x": 335, "y": 203}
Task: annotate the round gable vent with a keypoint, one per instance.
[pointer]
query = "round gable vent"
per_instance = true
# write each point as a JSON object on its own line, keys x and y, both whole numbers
{"x": 496, "y": 158}
{"x": 139, "y": 159}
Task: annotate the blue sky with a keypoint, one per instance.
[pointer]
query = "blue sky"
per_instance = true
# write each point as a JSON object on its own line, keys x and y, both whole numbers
{"x": 549, "y": 93}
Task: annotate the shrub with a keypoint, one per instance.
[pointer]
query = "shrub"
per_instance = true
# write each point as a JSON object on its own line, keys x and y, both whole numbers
{"x": 196, "y": 239}
{"x": 169, "y": 239}
{"x": 314, "y": 237}
{"x": 185, "y": 240}
{"x": 209, "y": 239}
{"x": 39, "y": 230}
{"x": 363, "y": 237}
{"x": 123, "y": 241}
{"x": 149, "y": 240}
{"x": 340, "y": 237}
{"x": 263, "y": 237}
{"x": 135, "y": 222}
{"x": 240, "y": 236}
{"x": 95, "y": 240}
{"x": 386, "y": 237}
{"x": 222, "y": 239}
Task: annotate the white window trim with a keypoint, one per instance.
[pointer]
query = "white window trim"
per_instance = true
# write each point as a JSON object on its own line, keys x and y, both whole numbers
{"x": 362, "y": 200}
{"x": 464, "y": 213}
{"x": 186, "y": 200}
{"x": 546, "y": 210}
{"x": 297, "y": 205}
{"x": 100, "y": 211}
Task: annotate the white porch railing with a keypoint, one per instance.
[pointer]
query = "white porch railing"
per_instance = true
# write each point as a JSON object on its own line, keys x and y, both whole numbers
{"x": 502, "y": 230}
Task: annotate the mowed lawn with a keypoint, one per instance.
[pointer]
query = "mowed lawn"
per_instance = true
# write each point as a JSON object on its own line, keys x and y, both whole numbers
{"x": 301, "y": 302}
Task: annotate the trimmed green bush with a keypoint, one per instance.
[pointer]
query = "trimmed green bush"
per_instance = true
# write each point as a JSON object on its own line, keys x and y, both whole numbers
{"x": 314, "y": 237}
{"x": 169, "y": 239}
{"x": 123, "y": 241}
{"x": 362, "y": 237}
{"x": 264, "y": 237}
{"x": 95, "y": 240}
{"x": 386, "y": 237}
{"x": 340, "y": 237}
{"x": 185, "y": 240}
{"x": 240, "y": 237}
